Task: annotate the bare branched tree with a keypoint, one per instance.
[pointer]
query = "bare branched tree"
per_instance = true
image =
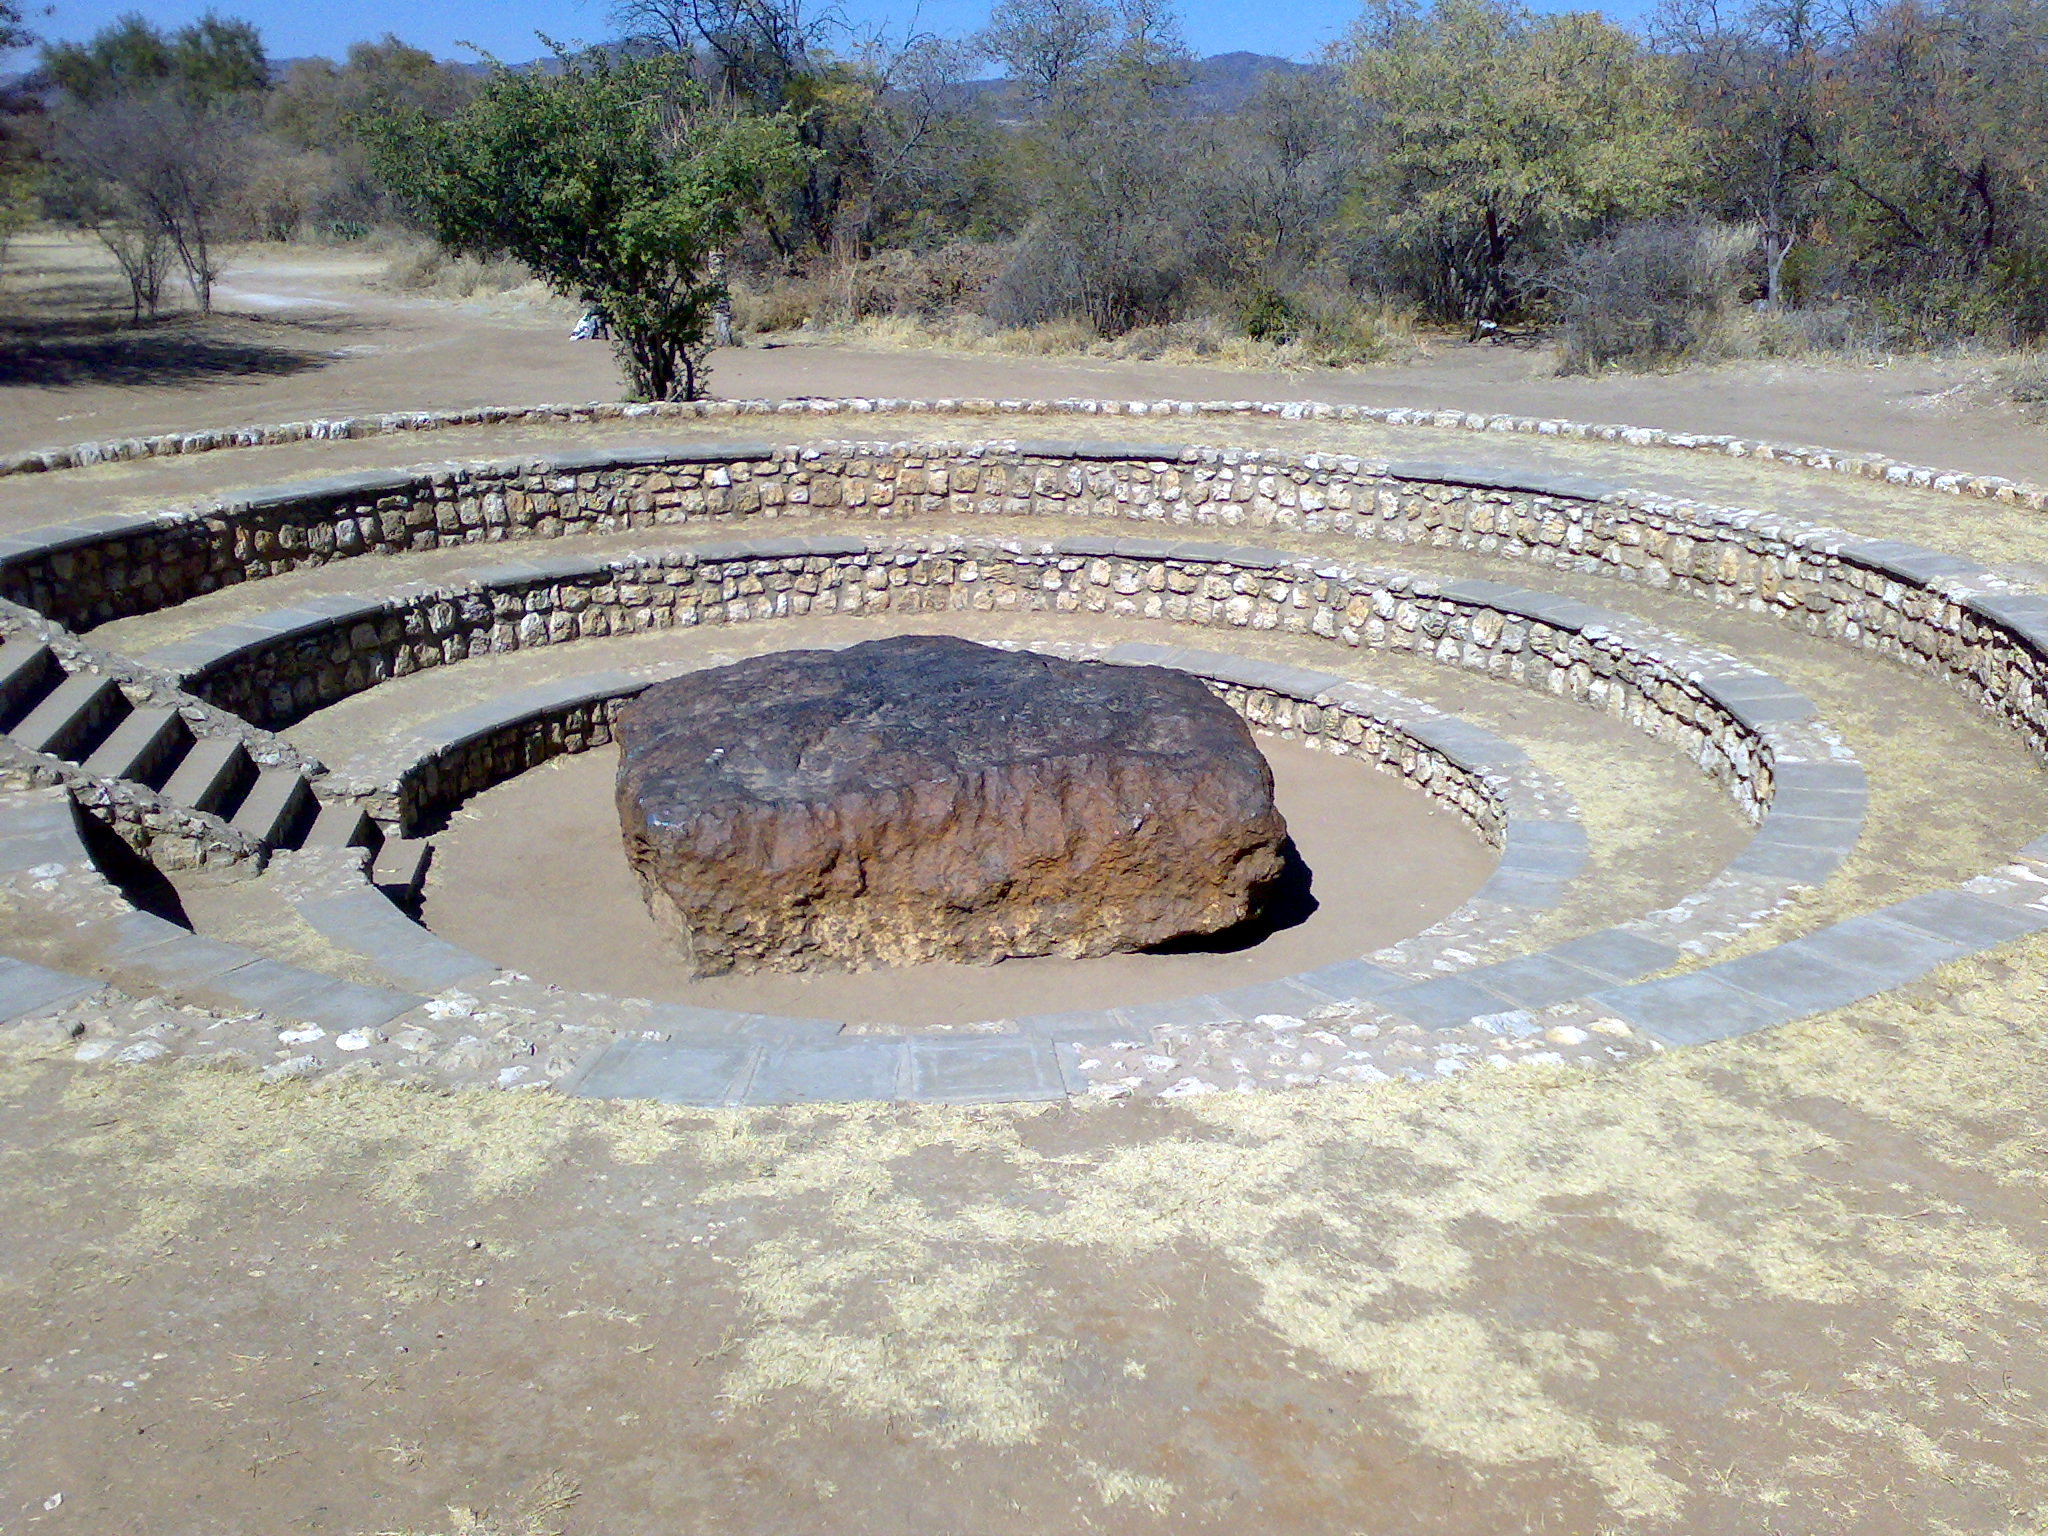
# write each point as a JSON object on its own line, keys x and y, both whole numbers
{"x": 159, "y": 171}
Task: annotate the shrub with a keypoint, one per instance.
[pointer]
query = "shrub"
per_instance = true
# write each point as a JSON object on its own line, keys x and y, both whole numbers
{"x": 1655, "y": 292}
{"x": 2027, "y": 382}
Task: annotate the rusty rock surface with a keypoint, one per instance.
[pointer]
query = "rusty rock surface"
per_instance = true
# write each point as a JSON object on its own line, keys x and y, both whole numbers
{"x": 926, "y": 798}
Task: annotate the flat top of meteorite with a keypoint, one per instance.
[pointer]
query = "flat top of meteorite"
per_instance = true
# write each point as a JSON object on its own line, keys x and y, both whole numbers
{"x": 884, "y": 714}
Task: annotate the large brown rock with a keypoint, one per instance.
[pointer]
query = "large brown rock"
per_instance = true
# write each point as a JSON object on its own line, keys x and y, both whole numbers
{"x": 927, "y": 798}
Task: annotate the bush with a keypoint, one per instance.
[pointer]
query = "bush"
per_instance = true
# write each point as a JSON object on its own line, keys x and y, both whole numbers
{"x": 1830, "y": 330}
{"x": 2027, "y": 382}
{"x": 428, "y": 269}
{"x": 940, "y": 282}
{"x": 1654, "y": 292}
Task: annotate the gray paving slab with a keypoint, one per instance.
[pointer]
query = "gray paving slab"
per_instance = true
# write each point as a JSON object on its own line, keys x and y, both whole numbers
{"x": 1289, "y": 995}
{"x": 830, "y": 1074}
{"x": 27, "y": 989}
{"x": 1808, "y": 865}
{"x": 1355, "y": 980}
{"x": 1517, "y": 888}
{"x": 2035, "y": 852}
{"x": 1797, "y": 977}
{"x": 1798, "y": 774}
{"x": 1093, "y": 545}
{"x": 1094, "y": 1025}
{"x": 692, "y": 1022}
{"x": 1445, "y": 1001}
{"x": 1890, "y": 953}
{"x": 1547, "y": 834}
{"x": 1818, "y": 804}
{"x": 988, "y": 1069}
{"x": 176, "y": 963}
{"x": 1616, "y": 953}
{"x": 1174, "y": 1013}
{"x": 1759, "y": 708}
{"x": 366, "y": 922}
{"x": 1482, "y": 477}
{"x": 696, "y": 1074}
{"x": 1812, "y": 831}
{"x": 31, "y": 850}
{"x": 294, "y": 992}
{"x": 1557, "y": 862}
{"x": 1689, "y": 1010}
{"x": 1537, "y": 980}
{"x": 1926, "y": 565}
{"x": 1965, "y": 919}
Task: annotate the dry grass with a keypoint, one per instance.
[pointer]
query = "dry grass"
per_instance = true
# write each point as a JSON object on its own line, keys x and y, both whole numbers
{"x": 906, "y": 1256}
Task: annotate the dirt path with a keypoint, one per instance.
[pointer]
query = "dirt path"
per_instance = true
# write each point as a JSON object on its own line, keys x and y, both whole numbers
{"x": 304, "y": 334}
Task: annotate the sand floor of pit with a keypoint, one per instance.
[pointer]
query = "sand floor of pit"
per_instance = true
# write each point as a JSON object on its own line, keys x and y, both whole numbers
{"x": 533, "y": 874}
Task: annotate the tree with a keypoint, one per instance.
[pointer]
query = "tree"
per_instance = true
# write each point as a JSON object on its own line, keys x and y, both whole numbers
{"x": 1933, "y": 121}
{"x": 1116, "y": 233}
{"x": 151, "y": 138}
{"x": 1046, "y": 46}
{"x": 1491, "y": 128}
{"x": 1751, "y": 80}
{"x": 155, "y": 173}
{"x": 212, "y": 60}
{"x": 613, "y": 182}
{"x": 13, "y": 33}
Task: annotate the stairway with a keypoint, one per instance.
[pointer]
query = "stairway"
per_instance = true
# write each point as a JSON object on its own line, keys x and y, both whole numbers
{"x": 86, "y": 720}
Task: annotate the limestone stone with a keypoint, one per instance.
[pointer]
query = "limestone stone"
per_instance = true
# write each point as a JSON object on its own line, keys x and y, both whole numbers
{"x": 926, "y": 798}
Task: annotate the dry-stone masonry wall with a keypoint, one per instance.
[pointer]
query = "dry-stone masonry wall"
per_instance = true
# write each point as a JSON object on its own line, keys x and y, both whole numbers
{"x": 278, "y": 668}
{"x": 1898, "y": 600}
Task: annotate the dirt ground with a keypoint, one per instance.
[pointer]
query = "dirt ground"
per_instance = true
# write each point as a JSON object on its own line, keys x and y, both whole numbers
{"x": 306, "y": 333}
{"x": 1785, "y": 1286}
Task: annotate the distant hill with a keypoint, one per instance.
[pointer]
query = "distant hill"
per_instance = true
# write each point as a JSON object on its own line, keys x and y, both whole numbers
{"x": 1224, "y": 82}
{"x": 1221, "y": 83}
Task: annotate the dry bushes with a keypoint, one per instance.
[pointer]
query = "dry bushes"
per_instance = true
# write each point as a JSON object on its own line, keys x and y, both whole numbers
{"x": 1656, "y": 292}
{"x": 417, "y": 267}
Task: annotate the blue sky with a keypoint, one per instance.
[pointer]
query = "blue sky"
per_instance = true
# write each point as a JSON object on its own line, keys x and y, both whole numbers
{"x": 1296, "y": 28}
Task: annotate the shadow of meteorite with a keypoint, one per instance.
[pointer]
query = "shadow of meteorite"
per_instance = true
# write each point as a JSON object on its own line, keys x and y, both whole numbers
{"x": 1289, "y": 904}
{"x": 67, "y": 351}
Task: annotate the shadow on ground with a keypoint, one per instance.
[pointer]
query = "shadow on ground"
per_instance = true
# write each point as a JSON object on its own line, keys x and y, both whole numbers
{"x": 1289, "y": 903}
{"x": 68, "y": 350}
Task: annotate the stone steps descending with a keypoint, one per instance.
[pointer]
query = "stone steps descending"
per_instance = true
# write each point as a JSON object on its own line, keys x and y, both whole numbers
{"x": 72, "y": 718}
{"x": 87, "y": 719}
{"x": 142, "y": 747}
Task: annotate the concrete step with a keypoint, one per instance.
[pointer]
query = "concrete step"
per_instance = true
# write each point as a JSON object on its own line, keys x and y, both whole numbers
{"x": 344, "y": 824}
{"x": 72, "y": 717}
{"x": 275, "y": 806}
{"x": 26, "y": 673}
{"x": 401, "y": 867}
{"x": 210, "y": 776}
{"x": 142, "y": 746}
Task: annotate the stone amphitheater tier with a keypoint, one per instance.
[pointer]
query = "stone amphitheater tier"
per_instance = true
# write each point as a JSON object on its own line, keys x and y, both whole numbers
{"x": 131, "y": 742}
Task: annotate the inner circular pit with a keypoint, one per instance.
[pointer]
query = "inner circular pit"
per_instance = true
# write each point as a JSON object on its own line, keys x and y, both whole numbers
{"x": 533, "y": 875}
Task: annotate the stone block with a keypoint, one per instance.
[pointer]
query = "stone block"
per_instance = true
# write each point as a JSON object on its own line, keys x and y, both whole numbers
{"x": 695, "y": 1074}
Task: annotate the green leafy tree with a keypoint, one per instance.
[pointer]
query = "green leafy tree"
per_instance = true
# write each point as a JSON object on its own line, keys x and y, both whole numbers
{"x": 1490, "y": 128}
{"x": 212, "y": 60}
{"x": 612, "y": 181}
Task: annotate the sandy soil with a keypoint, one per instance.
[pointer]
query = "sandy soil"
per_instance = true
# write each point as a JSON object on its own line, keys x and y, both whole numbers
{"x": 302, "y": 333}
{"x": 532, "y": 874}
{"x": 1792, "y": 1284}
